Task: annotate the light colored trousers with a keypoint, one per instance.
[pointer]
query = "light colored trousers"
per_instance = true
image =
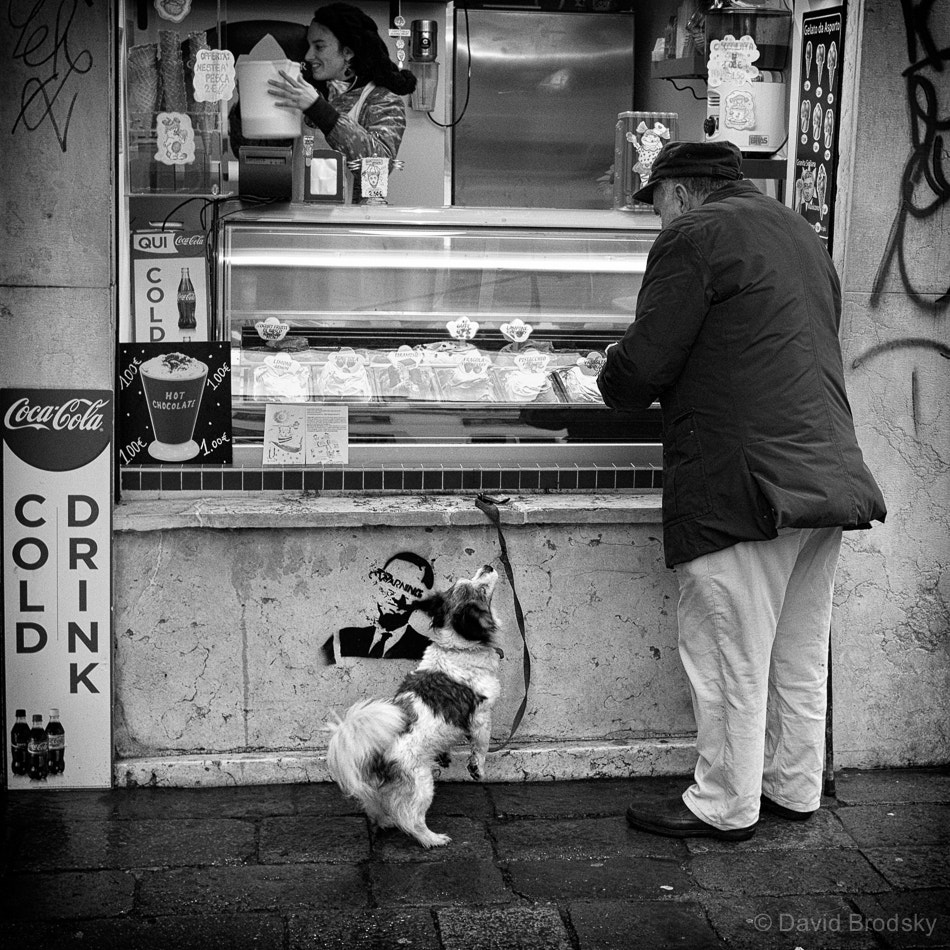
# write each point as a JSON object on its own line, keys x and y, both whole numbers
{"x": 754, "y": 623}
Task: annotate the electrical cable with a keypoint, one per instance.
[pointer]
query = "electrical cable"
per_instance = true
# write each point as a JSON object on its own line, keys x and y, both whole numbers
{"x": 688, "y": 89}
{"x": 468, "y": 78}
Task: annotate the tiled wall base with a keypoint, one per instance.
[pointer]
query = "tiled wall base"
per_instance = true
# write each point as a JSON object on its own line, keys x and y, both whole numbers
{"x": 528, "y": 763}
{"x": 171, "y": 478}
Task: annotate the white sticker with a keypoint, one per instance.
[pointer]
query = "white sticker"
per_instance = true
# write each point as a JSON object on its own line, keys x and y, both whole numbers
{"x": 731, "y": 59}
{"x": 214, "y": 75}
{"x": 176, "y": 139}
{"x": 174, "y": 10}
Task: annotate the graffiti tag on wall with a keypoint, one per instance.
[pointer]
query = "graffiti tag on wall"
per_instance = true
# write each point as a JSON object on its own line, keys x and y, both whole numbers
{"x": 924, "y": 185}
{"x": 43, "y": 46}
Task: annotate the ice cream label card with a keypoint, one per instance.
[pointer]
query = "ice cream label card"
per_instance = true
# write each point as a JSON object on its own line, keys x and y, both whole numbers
{"x": 174, "y": 403}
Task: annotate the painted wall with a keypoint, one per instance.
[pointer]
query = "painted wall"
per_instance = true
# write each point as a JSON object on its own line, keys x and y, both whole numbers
{"x": 892, "y": 624}
{"x": 242, "y": 670}
{"x": 56, "y": 225}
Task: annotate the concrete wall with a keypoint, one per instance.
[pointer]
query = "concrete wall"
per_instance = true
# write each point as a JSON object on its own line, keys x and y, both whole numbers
{"x": 892, "y": 623}
{"x": 218, "y": 632}
{"x": 56, "y": 225}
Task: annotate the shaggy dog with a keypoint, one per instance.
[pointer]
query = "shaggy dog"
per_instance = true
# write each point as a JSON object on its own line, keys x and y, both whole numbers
{"x": 383, "y": 752}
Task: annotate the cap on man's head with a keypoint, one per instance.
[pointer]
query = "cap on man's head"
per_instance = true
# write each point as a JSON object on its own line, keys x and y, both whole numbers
{"x": 692, "y": 160}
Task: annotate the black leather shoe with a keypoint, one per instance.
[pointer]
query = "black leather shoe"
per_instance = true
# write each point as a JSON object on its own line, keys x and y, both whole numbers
{"x": 774, "y": 808}
{"x": 674, "y": 820}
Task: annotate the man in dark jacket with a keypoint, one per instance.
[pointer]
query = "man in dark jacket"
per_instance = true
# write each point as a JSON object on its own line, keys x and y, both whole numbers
{"x": 736, "y": 334}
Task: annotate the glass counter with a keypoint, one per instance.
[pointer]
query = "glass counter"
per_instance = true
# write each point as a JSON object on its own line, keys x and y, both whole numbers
{"x": 472, "y": 336}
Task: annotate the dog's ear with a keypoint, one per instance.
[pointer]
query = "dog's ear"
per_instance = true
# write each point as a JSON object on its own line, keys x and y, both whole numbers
{"x": 434, "y": 607}
{"x": 474, "y": 622}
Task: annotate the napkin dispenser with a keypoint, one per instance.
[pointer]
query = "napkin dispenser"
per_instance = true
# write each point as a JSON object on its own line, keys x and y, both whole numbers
{"x": 325, "y": 176}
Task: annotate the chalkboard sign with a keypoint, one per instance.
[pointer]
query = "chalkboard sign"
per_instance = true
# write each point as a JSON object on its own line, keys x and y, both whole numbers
{"x": 174, "y": 403}
{"x": 817, "y": 119}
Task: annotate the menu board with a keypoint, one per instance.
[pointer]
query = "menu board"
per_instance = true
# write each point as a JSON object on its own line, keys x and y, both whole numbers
{"x": 175, "y": 403}
{"x": 818, "y": 115}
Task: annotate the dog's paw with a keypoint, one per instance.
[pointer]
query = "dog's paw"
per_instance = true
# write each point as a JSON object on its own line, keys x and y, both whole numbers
{"x": 476, "y": 768}
{"x": 435, "y": 840}
{"x": 443, "y": 760}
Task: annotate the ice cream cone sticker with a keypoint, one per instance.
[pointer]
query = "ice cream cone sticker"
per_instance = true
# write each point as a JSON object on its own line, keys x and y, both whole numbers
{"x": 832, "y": 63}
{"x": 821, "y": 186}
{"x": 820, "y": 60}
{"x": 807, "y": 59}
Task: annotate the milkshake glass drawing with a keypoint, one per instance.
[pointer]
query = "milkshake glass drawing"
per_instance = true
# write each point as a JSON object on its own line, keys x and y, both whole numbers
{"x": 173, "y": 384}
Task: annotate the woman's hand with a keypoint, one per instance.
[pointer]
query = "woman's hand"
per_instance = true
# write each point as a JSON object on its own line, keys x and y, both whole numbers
{"x": 292, "y": 92}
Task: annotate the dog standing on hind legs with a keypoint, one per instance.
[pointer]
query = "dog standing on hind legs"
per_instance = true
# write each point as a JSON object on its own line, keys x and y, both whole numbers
{"x": 382, "y": 752}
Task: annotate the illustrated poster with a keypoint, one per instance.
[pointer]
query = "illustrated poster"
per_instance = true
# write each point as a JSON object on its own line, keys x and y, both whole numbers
{"x": 299, "y": 434}
{"x": 818, "y": 116}
{"x": 174, "y": 404}
{"x": 57, "y": 587}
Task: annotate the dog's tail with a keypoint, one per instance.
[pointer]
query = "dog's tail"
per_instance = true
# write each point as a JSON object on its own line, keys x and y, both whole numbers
{"x": 355, "y": 752}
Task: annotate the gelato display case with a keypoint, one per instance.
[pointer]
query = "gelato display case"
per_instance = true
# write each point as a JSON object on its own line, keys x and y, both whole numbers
{"x": 465, "y": 335}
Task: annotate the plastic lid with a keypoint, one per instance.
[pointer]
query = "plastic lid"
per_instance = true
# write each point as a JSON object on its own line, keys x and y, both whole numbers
{"x": 54, "y": 713}
{"x": 21, "y": 712}
{"x": 37, "y": 718}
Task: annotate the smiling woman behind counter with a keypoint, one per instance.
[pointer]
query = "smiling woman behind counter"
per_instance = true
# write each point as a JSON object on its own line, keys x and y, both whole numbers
{"x": 353, "y": 93}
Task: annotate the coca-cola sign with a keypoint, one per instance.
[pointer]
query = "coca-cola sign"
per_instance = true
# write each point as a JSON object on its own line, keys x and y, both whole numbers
{"x": 56, "y": 429}
{"x": 169, "y": 242}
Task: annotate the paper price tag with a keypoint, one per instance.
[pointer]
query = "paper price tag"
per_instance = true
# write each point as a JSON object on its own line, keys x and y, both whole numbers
{"x": 214, "y": 75}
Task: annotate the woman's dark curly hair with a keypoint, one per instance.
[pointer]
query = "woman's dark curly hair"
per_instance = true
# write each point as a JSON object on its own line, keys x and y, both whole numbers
{"x": 371, "y": 62}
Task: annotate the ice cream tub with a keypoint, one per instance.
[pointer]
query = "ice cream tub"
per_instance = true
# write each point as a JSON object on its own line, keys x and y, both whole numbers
{"x": 261, "y": 117}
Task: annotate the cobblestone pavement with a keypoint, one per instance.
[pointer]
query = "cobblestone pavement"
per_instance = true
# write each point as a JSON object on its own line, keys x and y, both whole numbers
{"x": 541, "y": 865}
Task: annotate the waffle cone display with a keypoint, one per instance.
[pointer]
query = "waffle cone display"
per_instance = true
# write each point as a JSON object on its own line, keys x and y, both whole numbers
{"x": 143, "y": 81}
{"x": 195, "y": 42}
{"x": 174, "y": 89}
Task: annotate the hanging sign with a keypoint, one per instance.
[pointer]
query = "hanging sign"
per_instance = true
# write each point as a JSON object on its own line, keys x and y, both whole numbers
{"x": 818, "y": 115}
{"x": 57, "y": 579}
{"x": 174, "y": 403}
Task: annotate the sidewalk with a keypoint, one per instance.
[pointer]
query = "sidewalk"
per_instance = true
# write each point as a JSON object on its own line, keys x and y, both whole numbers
{"x": 542, "y": 865}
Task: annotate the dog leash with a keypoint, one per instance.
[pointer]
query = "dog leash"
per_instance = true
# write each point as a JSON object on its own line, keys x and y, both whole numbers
{"x": 489, "y": 505}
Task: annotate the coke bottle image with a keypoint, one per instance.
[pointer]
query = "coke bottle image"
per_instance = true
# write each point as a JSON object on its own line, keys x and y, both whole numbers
{"x": 19, "y": 743}
{"x": 186, "y": 305}
{"x": 56, "y": 740}
{"x": 38, "y": 751}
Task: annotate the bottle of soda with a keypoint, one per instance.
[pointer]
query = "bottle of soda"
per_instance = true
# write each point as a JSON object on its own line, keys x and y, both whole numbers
{"x": 38, "y": 751}
{"x": 19, "y": 743}
{"x": 56, "y": 738}
{"x": 186, "y": 305}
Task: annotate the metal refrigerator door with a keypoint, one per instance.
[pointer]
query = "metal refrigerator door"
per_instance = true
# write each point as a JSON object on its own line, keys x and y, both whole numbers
{"x": 546, "y": 89}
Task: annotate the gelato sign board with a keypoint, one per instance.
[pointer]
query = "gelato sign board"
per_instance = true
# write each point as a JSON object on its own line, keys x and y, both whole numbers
{"x": 57, "y": 628}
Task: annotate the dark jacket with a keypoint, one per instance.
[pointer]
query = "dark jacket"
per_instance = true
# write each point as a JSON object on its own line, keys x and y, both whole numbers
{"x": 736, "y": 334}
{"x": 356, "y": 641}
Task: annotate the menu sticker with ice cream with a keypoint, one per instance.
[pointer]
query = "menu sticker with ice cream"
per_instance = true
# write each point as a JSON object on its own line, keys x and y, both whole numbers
{"x": 57, "y": 577}
{"x": 298, "y": 434}
{"x": 815, "y": 120}
{"x": 174, "y": 404}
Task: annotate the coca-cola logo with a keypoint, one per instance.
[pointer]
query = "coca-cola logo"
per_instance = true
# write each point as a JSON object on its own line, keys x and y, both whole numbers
{"x": 167, "y": 242}
{"x": 56, "y": 429}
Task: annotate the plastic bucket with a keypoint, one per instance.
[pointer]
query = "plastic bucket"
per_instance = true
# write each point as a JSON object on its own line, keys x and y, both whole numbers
{"x": 260, "y": 116}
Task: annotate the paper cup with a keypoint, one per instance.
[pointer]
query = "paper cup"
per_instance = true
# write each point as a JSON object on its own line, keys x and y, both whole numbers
{"x": 260, "y": 116}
